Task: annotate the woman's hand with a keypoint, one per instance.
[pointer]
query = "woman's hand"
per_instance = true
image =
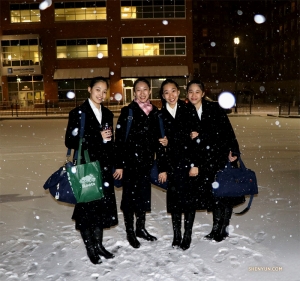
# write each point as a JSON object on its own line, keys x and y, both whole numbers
{"x": 194, "y": 172}
{"x": 194, "y": 135}
{"x": 118, "y": 174}
{"x": 163, "y": 141}
{"x": 162, "y": 177}
{"x": 231, "y": 158}
{"x": 106, "y": 135}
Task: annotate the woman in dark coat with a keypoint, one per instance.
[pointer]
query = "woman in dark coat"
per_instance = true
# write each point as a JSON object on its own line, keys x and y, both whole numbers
{"x": 216, "y": 143}
{"x": 179, "y": 121}
{"x": 92, "y": 217}
{"x": 134, "y": 159}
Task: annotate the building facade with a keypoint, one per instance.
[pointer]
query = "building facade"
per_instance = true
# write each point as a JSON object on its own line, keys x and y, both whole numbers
{"x": 48, "y": 51}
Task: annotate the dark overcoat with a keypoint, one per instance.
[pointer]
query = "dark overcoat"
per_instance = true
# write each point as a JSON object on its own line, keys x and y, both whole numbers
{"x": 136, "y": 154}
{"x": 101, "y": 213}
{"x": 180, "y": 197}
{"x": 216, "y": 139}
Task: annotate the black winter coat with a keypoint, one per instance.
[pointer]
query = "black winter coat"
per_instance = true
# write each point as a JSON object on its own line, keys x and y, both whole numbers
{"x": 136, "y": 155}
{"x": 180, "y": 152}
{"x": 216, "y": 139}
{"x": 101, "y": 213}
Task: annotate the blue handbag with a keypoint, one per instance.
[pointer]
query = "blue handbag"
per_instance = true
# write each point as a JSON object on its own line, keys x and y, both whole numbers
{"x": 235, "y": 182}
{"x": 58, "y": 183}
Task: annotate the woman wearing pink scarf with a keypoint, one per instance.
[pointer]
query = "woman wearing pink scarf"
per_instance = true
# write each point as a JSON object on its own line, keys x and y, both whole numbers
{"x": 134, "y": 158}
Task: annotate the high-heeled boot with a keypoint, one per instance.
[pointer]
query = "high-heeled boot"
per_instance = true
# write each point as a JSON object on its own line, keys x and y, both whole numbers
{"x": 98, "y": 238}
{"x": 131, "y": 237}
{"x": 176, "y": 222}
{"x": 188, "y": 227}
{"x": 92, "y": 253}
{"x": 141, "y": 231}
{"x": 226, "y": 220}
{"x": 218, "y": 215}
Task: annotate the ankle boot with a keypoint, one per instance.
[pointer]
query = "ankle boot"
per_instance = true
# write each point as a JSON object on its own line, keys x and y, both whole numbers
{"x": 141, "y": 231}
{"x": 176, "y": 221}
{"x": 128, "y": 220}
{"x": 90, "y": 247}
{"x": 217, "y": 224}
{"x": 227, "y": 216}
{"x": 188, "y": 227}
{"x": 98, "y": 238}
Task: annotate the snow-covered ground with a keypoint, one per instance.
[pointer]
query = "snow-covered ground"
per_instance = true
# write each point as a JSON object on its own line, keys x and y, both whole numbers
{"x": 38, "y": 240}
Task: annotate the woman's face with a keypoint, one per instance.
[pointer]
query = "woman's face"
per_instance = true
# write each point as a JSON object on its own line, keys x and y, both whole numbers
{"x": 195, "y": 95}
{"x": 171, "y": 94}
{"x": 142, "y": 91}
{"x": 98, "y": 93}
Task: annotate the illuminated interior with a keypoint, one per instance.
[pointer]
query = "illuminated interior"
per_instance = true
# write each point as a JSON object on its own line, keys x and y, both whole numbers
{"x": 85, "y": 51}
{"x": 78, "y": 14}
{"x": 25, "y": 16}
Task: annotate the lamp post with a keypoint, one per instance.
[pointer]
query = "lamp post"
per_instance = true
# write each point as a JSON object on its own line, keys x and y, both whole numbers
{"x": 236, "y": 42}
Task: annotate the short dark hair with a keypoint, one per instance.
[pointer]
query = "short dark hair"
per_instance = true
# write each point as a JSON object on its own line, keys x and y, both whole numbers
{"x": 167, "y": 81}
{"x": 195, "y": 81}
{"x": 142, "y": 79}
{"x": 97, "y": 79}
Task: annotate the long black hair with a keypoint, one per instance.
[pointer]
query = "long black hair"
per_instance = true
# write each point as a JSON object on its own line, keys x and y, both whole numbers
{"x": 97, "y": 79}
{"x": 161, "y": 91}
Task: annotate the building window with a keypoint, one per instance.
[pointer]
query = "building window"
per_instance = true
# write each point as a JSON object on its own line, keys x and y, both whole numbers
{"x": 293, "y": 6}
{"x": 153, "y": 46}
{"x": 79, "y": 87}
{"x": 20, "y": 52}
{"x": 214, "y": 67}
{"x": 81, "y": 48}
{"x": 151, "y": 9}
{"x": 24, "y": 13}
{"x": 204, "y": 32}
{"x": 26, "y": 90}
{"x": 80, "y": 11}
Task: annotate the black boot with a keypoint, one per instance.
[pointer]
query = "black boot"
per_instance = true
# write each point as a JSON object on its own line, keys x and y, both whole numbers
{"x": 188, "y": 227}
{"x": 90, "y": 247}
{"x": 98, "y": 238}
{"x": 227, "y": 216}
{"x": 128, "y": 220}
{"x": 218, "y": 215}
{"x": 141, "y": 231}
{"x": 176, "y": 221}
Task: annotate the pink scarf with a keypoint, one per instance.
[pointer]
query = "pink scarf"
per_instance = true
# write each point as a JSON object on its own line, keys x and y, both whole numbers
{"x": 145, "y": 106}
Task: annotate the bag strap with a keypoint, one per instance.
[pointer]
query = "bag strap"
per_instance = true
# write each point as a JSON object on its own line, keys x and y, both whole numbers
{"x": 129, "y": 121}
{"x": 161, "y": 125}
{"x": 247, "y": 208}
{"x": 81, "y": 133}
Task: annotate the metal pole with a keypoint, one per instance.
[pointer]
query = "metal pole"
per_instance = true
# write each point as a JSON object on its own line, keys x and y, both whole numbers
{"x": 235, "y": 84}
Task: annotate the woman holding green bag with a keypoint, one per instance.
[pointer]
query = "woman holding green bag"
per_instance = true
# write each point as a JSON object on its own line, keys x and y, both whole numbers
{"x": 92, "y": 217}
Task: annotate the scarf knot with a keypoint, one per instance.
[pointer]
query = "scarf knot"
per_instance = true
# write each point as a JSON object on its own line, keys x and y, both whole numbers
{"x": 145, "y": 106}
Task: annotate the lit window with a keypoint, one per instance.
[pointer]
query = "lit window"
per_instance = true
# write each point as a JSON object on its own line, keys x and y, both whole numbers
{"x": 20, "y": 52}
{"x": 81, "y": 48}
{"x": 80, "y": 11}
{"x": 153, "y": 46}
{"x": 151, "y": 9}
{"x": 22, "y": 13}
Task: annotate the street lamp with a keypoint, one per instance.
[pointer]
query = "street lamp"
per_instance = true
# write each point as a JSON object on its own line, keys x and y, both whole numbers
{"x": 236, "y": 42}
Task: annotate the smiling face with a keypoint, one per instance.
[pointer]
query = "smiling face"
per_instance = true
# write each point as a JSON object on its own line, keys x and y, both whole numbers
{"x": 195, "y": 95}
{"x": 171, "y": 94}
{"x": 142, "y": 91}
{"x": 98, "y": 93}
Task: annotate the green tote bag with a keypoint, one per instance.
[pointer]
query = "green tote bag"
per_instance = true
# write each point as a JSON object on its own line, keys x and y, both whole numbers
{"x": 86, "y": 179}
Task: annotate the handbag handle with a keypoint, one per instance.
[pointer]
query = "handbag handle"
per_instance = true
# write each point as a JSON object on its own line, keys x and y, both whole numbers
{"x": 242, "y": 165}
{"x": 81, "y": 133}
